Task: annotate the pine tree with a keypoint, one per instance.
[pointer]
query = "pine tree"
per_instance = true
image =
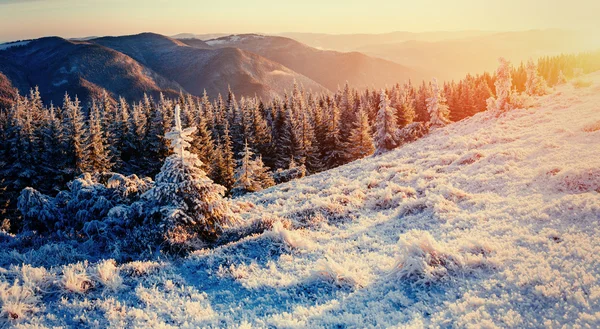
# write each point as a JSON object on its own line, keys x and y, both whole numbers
{"x": 502, "y": 101}
{"x": 332, "y": 154}
{"x": 562, "y": 79}
{"x": 535, "y": 84}
{"x": 407, "y": 108}
{"x": 251, "y": 175}
{"x": 189, "y": 201}
{"x": 437, "y": 108}
{"x": 74, "y": 134}
{"x": 226, "y": 165}
{"x": 282, "y": 139}
{"x": 360, "y": 140}
{"x": 305, "y": 137}
{"x": 203, "y": 145}
{"x": 159, "y": 124}
{"x": 386, "y": 125}
{"x": 262, "y": 175}
{"x": 96, "y": 154}
{"x": 52, "y": 154}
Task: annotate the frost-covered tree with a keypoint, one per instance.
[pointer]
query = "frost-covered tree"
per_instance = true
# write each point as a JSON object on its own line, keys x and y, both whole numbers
{"x": 386, "y": 125}
{"x": 189, "y": 201}
{"x": 502, "y": 101}
{"x": 361, "y": 140}
{"x": 437, "y": 107}
{"x": 251, "y": 174}
{"x": 562, "y": 79}
{"x": 535, "y": 84}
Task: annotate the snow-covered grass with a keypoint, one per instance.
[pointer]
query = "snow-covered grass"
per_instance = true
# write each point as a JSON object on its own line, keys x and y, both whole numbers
{"x": 489, "y": 222}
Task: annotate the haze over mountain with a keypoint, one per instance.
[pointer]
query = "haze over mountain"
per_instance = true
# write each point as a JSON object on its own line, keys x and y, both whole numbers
{"x": 352, "y": 42}
{"x": 453, "y": 58}
{"x": 329, "y": 68}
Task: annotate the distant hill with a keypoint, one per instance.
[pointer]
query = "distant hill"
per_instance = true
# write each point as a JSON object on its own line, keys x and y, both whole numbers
{"x": 130, "y": 66}
{"x": 211, "y": 69}
{"x": 81, "y": 68}
{"x": 329, "y": 68}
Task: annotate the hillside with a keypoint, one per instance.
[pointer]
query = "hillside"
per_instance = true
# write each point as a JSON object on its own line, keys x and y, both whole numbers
{"x": 488, "y": 222}
{"x": 329, "y": 68}
{"x": 7, "y": 92}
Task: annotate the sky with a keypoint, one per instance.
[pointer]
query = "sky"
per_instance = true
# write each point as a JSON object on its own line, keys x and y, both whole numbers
{"x": 25, "y": 19}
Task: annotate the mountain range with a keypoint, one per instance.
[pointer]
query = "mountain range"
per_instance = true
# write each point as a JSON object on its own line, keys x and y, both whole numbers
{"x": 130, "y": 66}
{"x": 328, "y": 68}
{"x": 262, "y": 65}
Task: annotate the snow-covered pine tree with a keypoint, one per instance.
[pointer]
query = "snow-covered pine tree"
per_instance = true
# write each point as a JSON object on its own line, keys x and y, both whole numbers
{"x": 361, "y": 140}
{"x": 190, "y": 202}
{"x": 437, "y": 107}
{"x": 562, "y": 79}
{"x": 386, "y": 126}
{"x": 243, "y": 172}
{"x": 251, "y": 174}
{"x": 97, "y": 157}
{"x": 262, "y": 175}
{"x": 535, "y": 84}
{"x": 502, "y": 101}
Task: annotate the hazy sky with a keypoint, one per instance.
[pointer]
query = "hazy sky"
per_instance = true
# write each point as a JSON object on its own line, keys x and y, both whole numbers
{"x": 20, "y": 19}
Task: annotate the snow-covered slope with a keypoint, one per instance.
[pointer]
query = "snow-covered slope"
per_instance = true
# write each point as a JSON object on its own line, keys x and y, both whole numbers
{"x": 489, "y": 222}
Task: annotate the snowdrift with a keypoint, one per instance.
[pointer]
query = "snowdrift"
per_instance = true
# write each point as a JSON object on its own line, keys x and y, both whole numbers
{"x": 488, "y": 222}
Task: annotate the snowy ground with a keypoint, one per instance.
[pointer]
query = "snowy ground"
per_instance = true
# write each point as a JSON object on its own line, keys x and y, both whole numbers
{"x": 489, "y": 222}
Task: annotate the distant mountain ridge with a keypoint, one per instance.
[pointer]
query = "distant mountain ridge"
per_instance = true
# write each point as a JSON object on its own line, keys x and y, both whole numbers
{"x": 329, "y": 68}
{"x": 130, "y": 66}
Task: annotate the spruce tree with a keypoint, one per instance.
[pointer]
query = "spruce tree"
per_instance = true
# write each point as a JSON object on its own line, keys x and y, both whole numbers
{"x": 437, "y": 107}
{"x": 407, "y": 109}
{"x": 227, "y": 165}
{"x": 96, "y": 154}
{"x": 502, "y": 101}
{"x": 74, "y": 136}
{"x": 190, "y": 202}
{"x": 360, "y": 140}
{"x": 386, "y": 125}
{"x": 535, "y": 84}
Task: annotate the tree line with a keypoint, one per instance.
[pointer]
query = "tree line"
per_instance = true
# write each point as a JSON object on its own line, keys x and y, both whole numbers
{"x": 244, "y": 144}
